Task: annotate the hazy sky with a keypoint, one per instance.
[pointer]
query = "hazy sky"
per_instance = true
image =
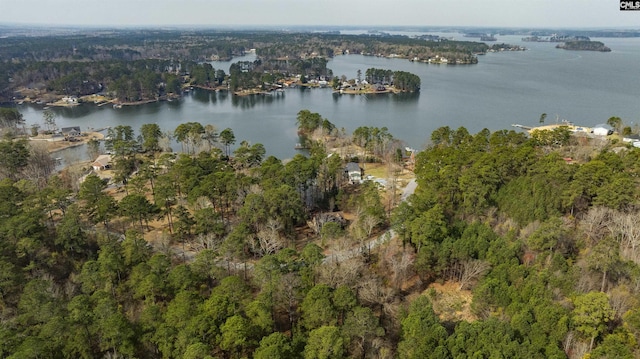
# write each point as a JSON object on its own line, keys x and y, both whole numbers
{"x": 499, "y": 13}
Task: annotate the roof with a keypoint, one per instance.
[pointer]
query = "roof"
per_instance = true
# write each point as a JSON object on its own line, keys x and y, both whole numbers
{"x": 102, "y": 161}
{"x": 70, "y": 129}
{"x": 353, "y": 167}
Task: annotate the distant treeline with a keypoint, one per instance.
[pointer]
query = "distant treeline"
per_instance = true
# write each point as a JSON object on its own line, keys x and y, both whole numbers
{"x": 89, "y": 62}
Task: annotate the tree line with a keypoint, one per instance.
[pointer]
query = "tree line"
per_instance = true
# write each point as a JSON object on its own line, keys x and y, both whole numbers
{"x": 87, "y": 63}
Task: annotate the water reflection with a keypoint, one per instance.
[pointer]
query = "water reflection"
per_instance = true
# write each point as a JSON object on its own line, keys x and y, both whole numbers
{"x": 377, "y": 97}
{"x": 202, "y": 95}
{"x": 222, "y": 95}
{"x": 208, "y": 96}
{"x": 406, "y": 98}
{"x": 75, "y": 111}
{"x": 148, "y": 109}
{"x": 174, "y": 103}
{"x": 336, "y": 97}
{"x": 250, "y": 101}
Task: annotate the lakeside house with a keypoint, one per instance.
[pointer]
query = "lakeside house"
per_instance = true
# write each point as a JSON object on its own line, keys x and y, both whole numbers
{"x": 70, "y": 132}
{"x": 354, "y": 172}
{"x": 103, "y": 162}
{"x": 71, "y": 100}
{"x": 602, "y": 130}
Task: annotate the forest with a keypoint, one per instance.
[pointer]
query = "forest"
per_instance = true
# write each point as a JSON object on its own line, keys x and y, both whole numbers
{"x": 507, "y": 249}
{"x": 144, "y": 65}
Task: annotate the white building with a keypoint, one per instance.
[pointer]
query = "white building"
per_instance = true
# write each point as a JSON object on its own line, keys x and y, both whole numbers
{"x": 602, "y": 130}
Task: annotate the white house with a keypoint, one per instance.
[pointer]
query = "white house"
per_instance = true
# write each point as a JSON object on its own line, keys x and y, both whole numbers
{"x": 101, "y": 163}
{"x": 72, "y": 100}
{"x": 354, "y": 172}
{"x": 602, "y": 130}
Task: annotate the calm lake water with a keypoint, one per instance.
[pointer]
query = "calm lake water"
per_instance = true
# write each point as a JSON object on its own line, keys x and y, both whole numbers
{"x": 503, "y": 89}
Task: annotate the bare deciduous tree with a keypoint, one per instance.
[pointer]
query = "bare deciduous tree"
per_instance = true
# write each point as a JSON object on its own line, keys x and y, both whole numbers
{"x": 372, "y": 291}
{"x": 346, "y": 272}
{"x": 207, "y": 241}
{"x": 164, "y": 142}
{"x": 621, "y": 300}
{"x": 472, "y": 270}
{"x": 368, "y": 223}
{"x": 40, "y": 165}
{"x": 573, "y": 347}
{"x": 626, "y": 230}
{"x": 596, "y": 223}
{"x": 268, "y": 238}
{"x": 319, "y": 220}
{"x": 400, "y": 265}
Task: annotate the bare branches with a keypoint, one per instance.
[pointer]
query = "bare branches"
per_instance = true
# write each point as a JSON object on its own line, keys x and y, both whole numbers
{"x": 472, "y": 270}
{"x": 268, "y": 238}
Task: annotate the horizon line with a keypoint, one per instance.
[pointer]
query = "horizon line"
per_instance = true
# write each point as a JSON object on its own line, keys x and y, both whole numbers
{"x": 271, "y": 26}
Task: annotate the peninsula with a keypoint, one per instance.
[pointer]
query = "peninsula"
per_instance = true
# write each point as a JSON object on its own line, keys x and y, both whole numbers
{"x": 124, "y": 70}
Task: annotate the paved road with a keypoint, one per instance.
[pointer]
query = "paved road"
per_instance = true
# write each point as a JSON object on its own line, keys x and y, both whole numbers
{"x": 409, "y": 189}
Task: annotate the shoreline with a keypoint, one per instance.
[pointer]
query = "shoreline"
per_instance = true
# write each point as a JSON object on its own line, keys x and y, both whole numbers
{"x": 370, "y": 91}
{"x": 54, "y": 146}
{"x": 48, "y": 100}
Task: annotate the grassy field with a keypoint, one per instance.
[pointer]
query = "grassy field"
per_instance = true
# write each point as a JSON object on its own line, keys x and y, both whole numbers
{"x": 381, "y": 170}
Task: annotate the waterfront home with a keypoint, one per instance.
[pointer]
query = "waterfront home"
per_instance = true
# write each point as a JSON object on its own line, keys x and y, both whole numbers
{"x": 72, "y": 100}
{"x": 354, "y": 172}
{"x": 70, "y": 132}
{"x": 103, "y": 162}
{"x": 602, "y": 130}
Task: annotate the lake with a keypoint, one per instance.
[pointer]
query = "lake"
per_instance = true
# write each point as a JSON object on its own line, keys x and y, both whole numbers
{"x": 502, "y": 89}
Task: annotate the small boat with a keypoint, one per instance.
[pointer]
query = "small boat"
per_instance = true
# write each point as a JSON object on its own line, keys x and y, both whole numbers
{"x": 117, "y": 105}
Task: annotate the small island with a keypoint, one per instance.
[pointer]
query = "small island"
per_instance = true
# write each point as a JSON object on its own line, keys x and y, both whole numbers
{"x": 584, "y": 46}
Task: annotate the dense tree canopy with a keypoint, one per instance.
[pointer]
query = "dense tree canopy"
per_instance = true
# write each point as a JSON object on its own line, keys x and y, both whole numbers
{"x": 505, "y": 250}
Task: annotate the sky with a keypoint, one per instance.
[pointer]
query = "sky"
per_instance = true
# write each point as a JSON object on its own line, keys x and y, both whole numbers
{"x": 481, "y": 13}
